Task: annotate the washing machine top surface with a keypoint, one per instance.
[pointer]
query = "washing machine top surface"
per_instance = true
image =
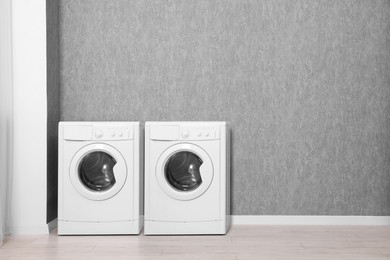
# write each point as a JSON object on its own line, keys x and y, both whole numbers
{"x": 186, "y": 123}
{"x": 98, "y": 131}
{"x": 185, "y": 131}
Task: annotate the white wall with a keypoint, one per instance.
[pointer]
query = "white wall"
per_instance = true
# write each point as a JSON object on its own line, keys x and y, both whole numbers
{"x": 30, "y": 112}
{"x": 5, "y": 115}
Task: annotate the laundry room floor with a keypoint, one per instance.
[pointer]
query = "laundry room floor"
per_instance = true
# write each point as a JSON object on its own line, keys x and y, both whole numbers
{"x": 242, "y": 242}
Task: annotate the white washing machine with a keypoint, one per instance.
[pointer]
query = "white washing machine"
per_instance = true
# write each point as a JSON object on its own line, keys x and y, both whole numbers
{"x": 187, "y": 178}
{"x": 100, "y": 182}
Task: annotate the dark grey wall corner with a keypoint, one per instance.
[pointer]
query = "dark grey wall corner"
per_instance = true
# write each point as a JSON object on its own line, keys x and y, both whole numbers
{"x": 53, "y": 105}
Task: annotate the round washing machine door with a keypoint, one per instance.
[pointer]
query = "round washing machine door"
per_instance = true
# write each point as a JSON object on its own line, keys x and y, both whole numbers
{"x": 98, "y": 171}
{"x": 184, "y": 171}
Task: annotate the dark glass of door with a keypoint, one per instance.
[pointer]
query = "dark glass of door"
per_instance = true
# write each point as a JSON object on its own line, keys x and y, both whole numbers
{"x": 182, "y": 171}
{"x": 96, "y": 171}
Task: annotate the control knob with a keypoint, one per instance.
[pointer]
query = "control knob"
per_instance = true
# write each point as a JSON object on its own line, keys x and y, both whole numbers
{"x": 99, "y": 133}
{"x": 185, "y": 133}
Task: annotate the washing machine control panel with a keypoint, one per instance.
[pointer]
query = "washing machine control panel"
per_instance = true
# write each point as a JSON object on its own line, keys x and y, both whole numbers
{"x": 112, "y": 133}
{"x": 199, "y": 132}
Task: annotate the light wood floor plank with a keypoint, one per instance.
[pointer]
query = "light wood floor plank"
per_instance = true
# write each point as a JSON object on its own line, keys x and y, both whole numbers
{"x": 241, "y": 243}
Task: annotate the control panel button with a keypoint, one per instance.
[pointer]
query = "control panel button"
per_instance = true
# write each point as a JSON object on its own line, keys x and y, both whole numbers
{"x": 112, "y": 133}
{"x": 99, "y": 133}
{"x": 120, "y": 133}
{"x": 185, "y": 133}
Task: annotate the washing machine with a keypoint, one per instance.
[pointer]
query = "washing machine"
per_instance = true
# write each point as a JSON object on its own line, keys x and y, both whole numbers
{"x": 100, "y": 182}
{"x": 187, "y": 178}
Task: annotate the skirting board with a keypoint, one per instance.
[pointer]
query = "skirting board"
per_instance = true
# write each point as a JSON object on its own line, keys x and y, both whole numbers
{"x": 34, "y": 229}
{"x": 311, "y": 220}
{"x": 30, "y": 230}
{"x": 52, "y": 225}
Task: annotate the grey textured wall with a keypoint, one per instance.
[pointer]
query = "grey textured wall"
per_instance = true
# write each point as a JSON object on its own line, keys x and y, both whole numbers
{"x": 305, "y": 85}
{"x": 53, "y": 107}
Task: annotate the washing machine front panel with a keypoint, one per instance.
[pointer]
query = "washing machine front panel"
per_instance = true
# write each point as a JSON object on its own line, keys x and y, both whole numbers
{"x": 98, "y": 171}
{"x": 164, "y": 203}
{"x": 80, "y": 209}
{"x": 184, "y": 171}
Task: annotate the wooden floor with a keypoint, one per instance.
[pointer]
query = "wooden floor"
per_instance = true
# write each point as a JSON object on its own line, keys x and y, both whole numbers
{"x": 242, "y": 242}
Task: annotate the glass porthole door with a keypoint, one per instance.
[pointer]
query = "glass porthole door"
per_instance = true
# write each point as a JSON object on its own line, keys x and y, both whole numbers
{"x": 98, "y": 171}
{"x": 184, "y": 171}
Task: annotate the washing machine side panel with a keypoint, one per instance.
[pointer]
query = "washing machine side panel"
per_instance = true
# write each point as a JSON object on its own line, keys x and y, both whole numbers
{"x": 135, "y": 174}
{"x": 147, "y": 169}
{"x": 137, "y": 169}
{"x": 225, "y": 174}
{"x": 60, "y": 171}
{"x": 76, "y": 207}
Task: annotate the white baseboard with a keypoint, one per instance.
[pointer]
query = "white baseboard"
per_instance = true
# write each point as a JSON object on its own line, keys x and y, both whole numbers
{"x": 30, "y": 230}
{"x": 34, "y": 229}
{"x": 52, "y": 225}
{"x": 311, "y": 220}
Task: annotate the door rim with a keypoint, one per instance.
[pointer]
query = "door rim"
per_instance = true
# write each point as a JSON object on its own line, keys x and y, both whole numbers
{"x": 120, "y": 172}
{"x": 206, "y": 178}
